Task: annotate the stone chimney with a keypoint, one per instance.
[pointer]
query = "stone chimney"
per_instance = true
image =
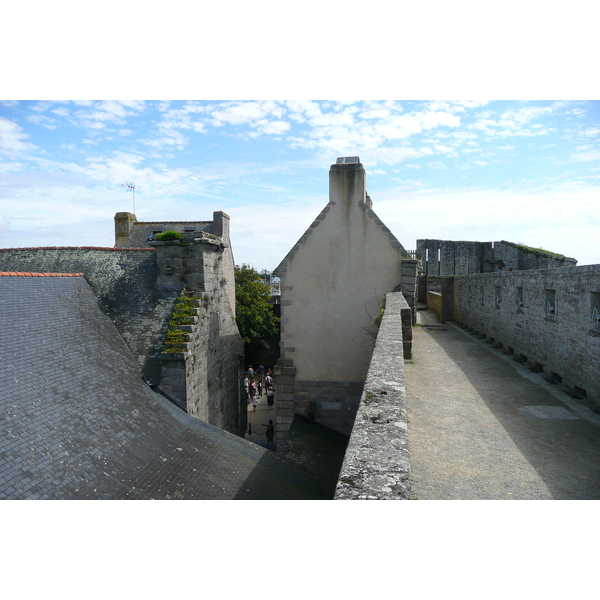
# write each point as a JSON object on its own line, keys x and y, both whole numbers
{"x": 123, "y": 225}
{"x": 221, "y": 225}
{"x": 347, "y": 181}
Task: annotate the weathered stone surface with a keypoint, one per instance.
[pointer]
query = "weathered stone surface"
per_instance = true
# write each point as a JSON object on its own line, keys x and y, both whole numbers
{"x": 376, "y": 464}
{"x": 513, "y": 309}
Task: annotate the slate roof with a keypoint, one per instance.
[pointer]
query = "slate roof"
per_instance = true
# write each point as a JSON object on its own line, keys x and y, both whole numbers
{"x": 78, "y": 422}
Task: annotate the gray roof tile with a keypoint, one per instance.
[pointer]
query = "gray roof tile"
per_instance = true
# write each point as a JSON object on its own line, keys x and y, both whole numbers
{"x": 77, "y": 421}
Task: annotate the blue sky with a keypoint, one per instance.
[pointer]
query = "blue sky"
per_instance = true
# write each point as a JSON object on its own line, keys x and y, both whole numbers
{"x": 523, "y": 171}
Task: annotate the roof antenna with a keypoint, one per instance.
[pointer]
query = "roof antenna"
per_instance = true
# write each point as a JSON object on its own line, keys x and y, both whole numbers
{"x": 131, "y": 188}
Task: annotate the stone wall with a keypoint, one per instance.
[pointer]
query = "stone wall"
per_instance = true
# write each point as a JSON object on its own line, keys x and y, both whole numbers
{"x": 443, "y": 257}
{"x": 123, "y": 280}
{"x": 434, "y": 304}
{"x": 205, "y": 378}
{"x": 547, "y": 317}
{"x": 440, "y": 297}
{"x": 137, "y": 288}
{"x": 376, "y": 464}
{"x": 409, "y": 285}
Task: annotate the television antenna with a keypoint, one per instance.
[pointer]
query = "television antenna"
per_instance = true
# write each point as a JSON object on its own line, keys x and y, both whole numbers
{"x": 131, "y": 187}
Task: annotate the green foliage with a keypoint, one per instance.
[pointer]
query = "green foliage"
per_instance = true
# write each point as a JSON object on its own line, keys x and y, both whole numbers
{"x": 177, "y": 336}
{"x": 541, "y": 251}
{"x": 254, "y": 314}
{"x": 183, "y": 311}
{"x": 166, "y": 236}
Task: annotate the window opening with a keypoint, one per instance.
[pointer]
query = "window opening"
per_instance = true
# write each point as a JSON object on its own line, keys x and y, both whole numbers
{"x": 550, "y": 307}
{"x": 520, "y": 299}
{"x": 595, "y": 312}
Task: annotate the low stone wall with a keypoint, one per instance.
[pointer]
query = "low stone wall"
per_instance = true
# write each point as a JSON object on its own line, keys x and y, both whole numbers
{"x": 376, "y": 464}
{"x": 440, "y": 300}
{"x": 434, "y": 304}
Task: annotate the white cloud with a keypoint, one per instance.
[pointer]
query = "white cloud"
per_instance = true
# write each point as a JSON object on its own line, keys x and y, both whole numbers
{"x": 275, "y": 127}
{"x": 13, "y": 138}
{"x": 246, "y": 112}
{"x": 42, "y": 120}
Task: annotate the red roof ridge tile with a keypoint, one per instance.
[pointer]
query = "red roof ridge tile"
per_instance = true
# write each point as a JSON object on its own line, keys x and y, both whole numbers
{"x": 79, "y": 248}
{"x": 26, "y": 274}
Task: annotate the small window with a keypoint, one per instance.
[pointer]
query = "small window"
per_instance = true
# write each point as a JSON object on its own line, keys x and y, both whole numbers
{"x": 189, "y": 230}
{"x": 482, "y": 294}
{"x": 550, "y": 307}
{"x": 520, "y": 300}
{"x": 498, "y": 296}
{"x": 154, "y": 233}
{"x": 595, "y": 310}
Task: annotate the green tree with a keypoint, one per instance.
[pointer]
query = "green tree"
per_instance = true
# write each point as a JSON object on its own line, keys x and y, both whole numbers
{"x": 254, "y": 314}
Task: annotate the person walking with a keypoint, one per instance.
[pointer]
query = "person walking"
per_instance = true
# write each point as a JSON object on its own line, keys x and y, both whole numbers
{"x": 270, "y": 433}
{"x": 270, "y": 396}
{"x": 247, "y": 388}
{"x": 260, "y": 373}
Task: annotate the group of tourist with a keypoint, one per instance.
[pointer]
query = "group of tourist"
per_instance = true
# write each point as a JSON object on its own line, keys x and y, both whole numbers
{"x": 255, "y": 382}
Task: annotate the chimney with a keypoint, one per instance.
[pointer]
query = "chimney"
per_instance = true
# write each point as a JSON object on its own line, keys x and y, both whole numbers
{"x": 123, "y": 225}
{"x": 347, "y": 182}
{"x": 221, "y": 225}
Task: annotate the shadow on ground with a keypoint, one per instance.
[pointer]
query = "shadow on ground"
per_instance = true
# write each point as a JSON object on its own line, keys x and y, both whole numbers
{"x": 313, "y": 456}
{"x": 552, "y": 435}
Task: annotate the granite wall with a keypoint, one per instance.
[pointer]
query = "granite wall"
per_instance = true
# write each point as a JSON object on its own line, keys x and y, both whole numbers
{"x": 205, "y": 377}
{"x": 547, "y": 317}
{"x": 443, "y": 257}
{"x": 376, "y": 464}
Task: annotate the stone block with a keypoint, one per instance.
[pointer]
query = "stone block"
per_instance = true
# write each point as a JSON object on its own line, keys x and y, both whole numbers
{"x": 330, "y": 405}
{"x": 285, "y": 412}
{"x": 283, "y": 403}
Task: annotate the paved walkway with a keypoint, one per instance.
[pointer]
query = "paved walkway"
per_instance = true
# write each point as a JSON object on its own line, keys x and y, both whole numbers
{"x": 482, "y": 426}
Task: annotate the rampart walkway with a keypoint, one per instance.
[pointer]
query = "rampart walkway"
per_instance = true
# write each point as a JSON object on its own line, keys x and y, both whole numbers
{"x": 482, "y": 426}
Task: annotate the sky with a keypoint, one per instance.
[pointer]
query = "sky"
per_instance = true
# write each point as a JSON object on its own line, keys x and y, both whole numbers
{"x": 482, "y": 170}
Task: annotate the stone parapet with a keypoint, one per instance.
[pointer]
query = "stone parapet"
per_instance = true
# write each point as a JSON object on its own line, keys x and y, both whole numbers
{"x": 376, "y": 464}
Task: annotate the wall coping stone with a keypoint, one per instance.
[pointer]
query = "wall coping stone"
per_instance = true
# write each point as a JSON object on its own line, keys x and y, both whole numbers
{"x": 376, "y": 465}
{"x": 79, "y": 248}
